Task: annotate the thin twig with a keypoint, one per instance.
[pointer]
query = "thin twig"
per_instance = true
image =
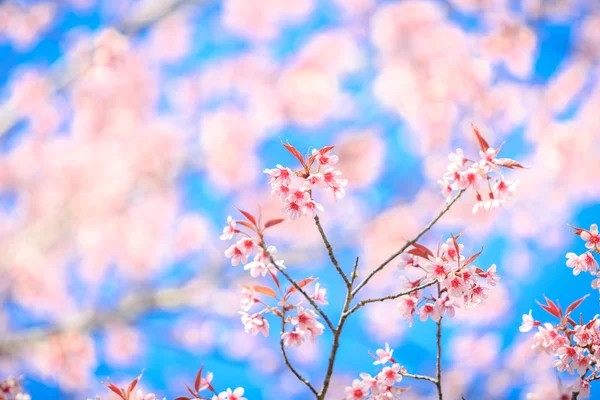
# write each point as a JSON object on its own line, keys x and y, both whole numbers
{"x": 390, "y": 297}
{"x": 420, "y": 377}
{"x": 354, "y": 273}
{"x": 438, "y": 363}
{"x": 409, "y": 243}
{"x": 336, "y": 341}
{"x": 287, "y": 361}
{"x": 330, "y": 251}
{"x": 298, "y": 288}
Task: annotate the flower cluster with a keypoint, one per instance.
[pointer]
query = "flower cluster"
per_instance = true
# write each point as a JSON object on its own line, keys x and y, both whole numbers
{"x": 127, "y": 394}
{"x": 295, "y": 186}
{"x": 204, "y": 383}
{"x": 463, "y": 173}
{"x": 586, "y": 262}
{"x": 576, "y": 345}
{"x": 458, "y": 281}
{"x": 305, "y": 323}
{"x": 381, "y": 386}
{"x": 11, "y": 389}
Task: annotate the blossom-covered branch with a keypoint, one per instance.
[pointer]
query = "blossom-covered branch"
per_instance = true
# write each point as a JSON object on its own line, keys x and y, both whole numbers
{"x": 575, "y": 344}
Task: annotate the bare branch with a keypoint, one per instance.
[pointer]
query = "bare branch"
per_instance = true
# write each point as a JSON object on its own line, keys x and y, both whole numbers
{"x": 420, "y": 377}
{"x": 390, "y": 297}
{"x": 330, "y": 251}
{"x": 409, "y": 243}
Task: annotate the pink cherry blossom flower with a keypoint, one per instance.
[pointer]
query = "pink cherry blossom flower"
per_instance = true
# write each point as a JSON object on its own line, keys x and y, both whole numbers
{"x": 592, "y": 237}
{"x": 357, "y": 391}
{"x": 428, "y": 310}
{"x": 247, "y": 246}
{"x": 390, "y": 375}
{"x": 229, "y": 230}
{"x": 408, "y": 260}
{"x": 248, "y": 298}
{"x": 310, "y": 208}
{"x": 455, "y": 285}
{"x": 255, "y": 324}
{"x": 446, "y": 189}
{"x": 437, "y": 269}
{"x": 576, "y": 262}
{"x": 325, "y": 158}
{"x": 491, "y": 276}
{"x": 150, "y": 396}
{"x": 407, "y": 306}
{"x": 236, "y": 255}
{"x": 293, "y": 338}
{"x": 446, "y": 305}
{"x": 232, "y": 395}
{"x": 528, "y": 323}
{"x": 320, "y": 295}
{"x": 294, "y": 208}
{"x": 205, "y": 382}
{"x": 279, "y": 176}
{"x": 503, "y": 190}
{"x": 383, "y": 355}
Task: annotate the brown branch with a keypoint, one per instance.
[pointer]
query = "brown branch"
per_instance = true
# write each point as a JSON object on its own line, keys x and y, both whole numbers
{"x": 390, "y": 297}
{"x": 297, "y": 287}
{"x": 438, "y": 363}
{"x": 330, "y": 251}
{"x": 409, "y": 243}
{"x": 287, "y": 361}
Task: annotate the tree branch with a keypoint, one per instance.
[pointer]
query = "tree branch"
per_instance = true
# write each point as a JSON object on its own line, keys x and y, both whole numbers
{"x": 287, "y": 361}
{"x": 409, "y": 243}
{"x": 420, "y": 377}
{"x": 330, "y": 251}
{"x": 390, "y": 297}
{"x": 298, "y": 288}
{"x": 438, "y": 363}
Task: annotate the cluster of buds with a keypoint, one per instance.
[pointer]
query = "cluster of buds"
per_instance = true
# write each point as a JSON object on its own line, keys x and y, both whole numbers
{"x": 204, "y": 384}
{"x": 128, "y": 394}
{"x": 305, "y": 323}
{"x": 381, "y": 386}
{"x": 11, "y": 389}
{"x": 464, "y": 173}
{"x": 576, "y": 345}
{"x": 295, "y": 187}
{"x": 458, "y": 281}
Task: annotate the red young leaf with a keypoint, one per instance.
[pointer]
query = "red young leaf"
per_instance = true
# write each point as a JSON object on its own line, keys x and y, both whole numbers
{"x": 420, "y": 250}
{"x": 191, "y": 391}
{"x": 302, "y": 283}
{"x": 294, "y": 152}
{"x": 577, "y": 231}
{"x": 264, "y": 290}
{"x": 134, "y": 383}
{"x": 275, "y": 279}
{"x": 274, "y": 222}
{"x": 115, "y": 389}
{"x": 590, "y": 324}
{"x": 312, "y": 158}
{"x": 508, "y": 163}
{"x": 554, "y": 306}
{"x": 456, "y": 248}
{"x": 246, "y": 224}
{"x": 570, "y": 321}
{"x": 549, "y": 310}
{"x": 183, "y": 398}
{"x": 249, "y": 216}
{"x": 482, "y": 143}
{"x": 575, "y": 304}
{"x": 198, "y": 379}
{"x": 472, "y": 258}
